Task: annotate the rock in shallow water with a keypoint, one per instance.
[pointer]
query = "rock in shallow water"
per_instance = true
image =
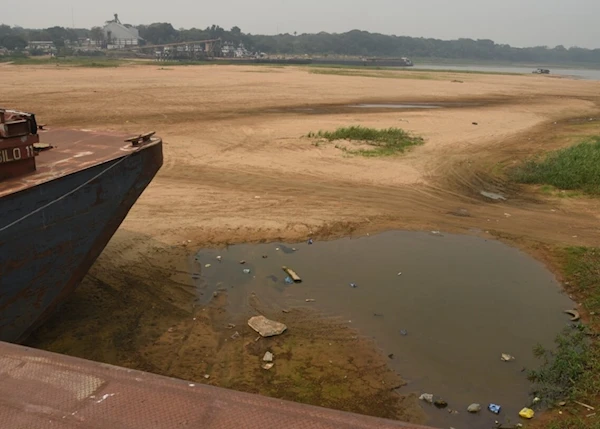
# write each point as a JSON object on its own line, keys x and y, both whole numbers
{"x": 474, "y": 408}
{"x": 266, "y": 327}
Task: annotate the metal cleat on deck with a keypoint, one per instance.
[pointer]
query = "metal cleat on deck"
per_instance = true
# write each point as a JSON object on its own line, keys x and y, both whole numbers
{"x": 142, "y": 138}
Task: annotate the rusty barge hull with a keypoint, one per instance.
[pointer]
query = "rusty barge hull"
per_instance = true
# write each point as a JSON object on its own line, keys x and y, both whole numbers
{"x": 39, "y": 390}
{"x": 55, "y": 222}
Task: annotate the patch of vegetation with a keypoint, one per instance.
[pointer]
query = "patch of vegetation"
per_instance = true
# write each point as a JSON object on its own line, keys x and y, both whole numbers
{"x": 569, "y": 372}
{"x": 67, "y": 61}
{"x": 576, "y": 168}
{"x": 582, "y": 268}
{"x": 385, "y": 142}
{"x": 375, "y": 74}
{"x": 572, "y": 371}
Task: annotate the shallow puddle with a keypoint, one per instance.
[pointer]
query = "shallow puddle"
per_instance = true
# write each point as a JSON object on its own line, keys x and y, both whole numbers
{"x": 458, "y": 304}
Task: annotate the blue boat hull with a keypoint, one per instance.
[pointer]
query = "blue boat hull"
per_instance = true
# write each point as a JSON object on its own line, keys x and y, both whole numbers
{"x": 51, "y": 234}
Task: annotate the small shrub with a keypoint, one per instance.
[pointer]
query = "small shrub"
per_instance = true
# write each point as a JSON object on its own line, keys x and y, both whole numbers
{"x": 385, "y": 142}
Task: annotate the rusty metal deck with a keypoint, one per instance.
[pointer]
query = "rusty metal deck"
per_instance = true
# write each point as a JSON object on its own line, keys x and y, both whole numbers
{"x": 39, "y": 389}
{"x": 73, "y": 150}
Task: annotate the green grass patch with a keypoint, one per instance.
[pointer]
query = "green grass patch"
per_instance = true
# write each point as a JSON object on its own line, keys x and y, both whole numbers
{"x": 384, "y": 74}
{"x": 576, "y": 168}
{"x": 383, "y": 142}
{"x": 582, "y": 268}
{"x": 571, "y": 372}
{"x": 93, "y": 62}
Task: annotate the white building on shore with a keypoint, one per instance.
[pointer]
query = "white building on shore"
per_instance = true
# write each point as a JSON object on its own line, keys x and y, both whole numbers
{"x": 119, "y": 36}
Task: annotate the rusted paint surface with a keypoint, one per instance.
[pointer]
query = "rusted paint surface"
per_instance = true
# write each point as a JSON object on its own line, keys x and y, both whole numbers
{"x": 55, "y": 222}
{"x": 44, "y": 390}
{"x": 72, "y": 151}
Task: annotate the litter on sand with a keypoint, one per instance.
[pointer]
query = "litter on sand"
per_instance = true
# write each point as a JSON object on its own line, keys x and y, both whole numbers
{"x": 526, "y": 413}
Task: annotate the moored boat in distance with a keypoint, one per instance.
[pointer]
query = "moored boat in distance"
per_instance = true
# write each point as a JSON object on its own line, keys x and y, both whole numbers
{"x": 63, "y": 194}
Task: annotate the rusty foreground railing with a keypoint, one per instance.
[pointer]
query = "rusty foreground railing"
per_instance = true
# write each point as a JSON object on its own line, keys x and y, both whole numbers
{"x": 39, "y": 389}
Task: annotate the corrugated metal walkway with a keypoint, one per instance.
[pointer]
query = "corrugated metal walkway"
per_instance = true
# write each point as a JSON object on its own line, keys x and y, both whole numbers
{"x": 45, "y": 390}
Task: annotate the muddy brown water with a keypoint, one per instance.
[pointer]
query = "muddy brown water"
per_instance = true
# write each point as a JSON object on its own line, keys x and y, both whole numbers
{"x": 460, "y": 302}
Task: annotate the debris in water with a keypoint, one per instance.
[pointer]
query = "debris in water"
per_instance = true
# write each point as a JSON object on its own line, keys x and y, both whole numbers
{"x": 440, "y": 403}
{"x": 293, "y": 249}
{"x": 391, "y": 355}
{"x": 207, "y": 266}
{"x": 574, "y": 315}
{"x": 230, "y": 326}
{"x": 219, "y": 258}
{"x": 526, "y": 413}
{"x": 507, "y": 214}
{"x": 506, "y": 357}
{"x": 277, "y": 248}
{"x": 474, "y": 123}
{"x": 493, "y": 196}
{"x": 353, "y": 285}
{"x": 474, "y": 408}
{"x": 310, "y": 300}
{"x": 288, "y": 280}
{"x": 268, "y": 357}
{"x": 494, "y": 408}
{"x": 438, "y": 233}
{"x": 242, "y": 262}
{"x": 403, "y": 332}
{"x": 264, "y": 256}
{"x": 268, "y": 366}
{"x": 246, "y": 271}
{"x": 399, "y": 273}
{"x": 266, "y": 327}
{"x": 285, "y": 311}
{"x": 310, "y": 241}
{"x": 427, "y": 397}
{"x": 292, "y": 274}
{"x": 235, "y": 336}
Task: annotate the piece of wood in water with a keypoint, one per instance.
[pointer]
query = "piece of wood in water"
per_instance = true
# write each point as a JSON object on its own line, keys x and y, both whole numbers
{"x": 295, "y": 277}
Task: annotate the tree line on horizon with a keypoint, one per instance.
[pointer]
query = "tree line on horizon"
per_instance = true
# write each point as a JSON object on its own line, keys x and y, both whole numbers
{"x": 351, "y": 43}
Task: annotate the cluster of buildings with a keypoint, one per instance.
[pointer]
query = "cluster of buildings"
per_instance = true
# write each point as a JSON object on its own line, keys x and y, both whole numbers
{"x": 116, "y": 35}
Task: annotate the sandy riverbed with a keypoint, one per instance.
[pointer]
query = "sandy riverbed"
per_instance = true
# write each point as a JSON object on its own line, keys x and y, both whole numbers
{"x": 238, "y": 169}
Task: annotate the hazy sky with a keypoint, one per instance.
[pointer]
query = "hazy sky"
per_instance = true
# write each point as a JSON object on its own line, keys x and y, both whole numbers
{"x": 516, "y": 22}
